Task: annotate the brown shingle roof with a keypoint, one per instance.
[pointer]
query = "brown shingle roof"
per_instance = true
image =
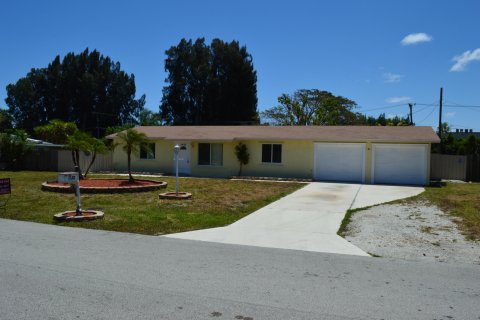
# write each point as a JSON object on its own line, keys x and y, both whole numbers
{"x": 314, "y": 133}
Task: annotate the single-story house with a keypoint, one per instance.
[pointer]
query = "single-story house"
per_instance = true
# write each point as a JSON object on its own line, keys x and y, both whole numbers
{"x": 364, "y": 154}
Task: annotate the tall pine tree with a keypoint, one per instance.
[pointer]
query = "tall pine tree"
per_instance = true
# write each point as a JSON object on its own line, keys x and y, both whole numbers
{"x": 87, "y": 88}
{"x": 209, "y": 84}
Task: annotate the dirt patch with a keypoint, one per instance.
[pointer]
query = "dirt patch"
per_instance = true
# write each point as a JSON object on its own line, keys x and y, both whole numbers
{"x": 415, "y": 231}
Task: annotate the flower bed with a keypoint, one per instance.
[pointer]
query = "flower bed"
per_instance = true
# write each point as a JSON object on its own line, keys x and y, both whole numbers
{"x": 105, "y": 186}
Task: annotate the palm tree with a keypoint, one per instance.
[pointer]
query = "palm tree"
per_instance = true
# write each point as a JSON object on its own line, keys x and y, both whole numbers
{"x": 132, "y": 141}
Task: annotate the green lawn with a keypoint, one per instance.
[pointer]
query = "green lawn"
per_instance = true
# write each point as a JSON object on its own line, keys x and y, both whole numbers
{"x": 215, "y": 203}
{"x": 461, "y": 200}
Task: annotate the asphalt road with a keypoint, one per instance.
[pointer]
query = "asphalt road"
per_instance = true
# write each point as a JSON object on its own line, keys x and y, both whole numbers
{"x": 49, "y": 272}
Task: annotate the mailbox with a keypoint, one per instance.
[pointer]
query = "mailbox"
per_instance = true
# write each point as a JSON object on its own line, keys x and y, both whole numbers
{"x": 68, "y": 177}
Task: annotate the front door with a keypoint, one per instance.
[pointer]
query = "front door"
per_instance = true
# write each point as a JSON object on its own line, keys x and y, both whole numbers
{"x": 184, "y": 157}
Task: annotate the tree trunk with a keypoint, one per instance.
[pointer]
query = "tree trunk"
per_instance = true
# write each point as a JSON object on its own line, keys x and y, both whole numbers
{"x": 240, "y": 171}
{"x": 130, "y": 178}
{"x": 77, "y": 158}
{"x": 73, "y": 158}
{"x": 94, "y": 156}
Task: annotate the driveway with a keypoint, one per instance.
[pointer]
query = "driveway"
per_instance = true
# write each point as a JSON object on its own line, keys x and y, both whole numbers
{"x": 307, "y": 219}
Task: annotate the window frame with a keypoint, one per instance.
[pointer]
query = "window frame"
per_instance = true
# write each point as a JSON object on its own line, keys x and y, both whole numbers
{"x": 272, "y": 153}
{"x": 210, "y": 155}
{"x": 152, "y": 151}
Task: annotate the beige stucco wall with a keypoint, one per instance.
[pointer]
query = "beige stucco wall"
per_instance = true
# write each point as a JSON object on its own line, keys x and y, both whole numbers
{"x": 163, "y": 161}
{"x": 297, "y": 161}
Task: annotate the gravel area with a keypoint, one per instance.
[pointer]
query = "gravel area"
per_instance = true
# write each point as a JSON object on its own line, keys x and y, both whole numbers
{"x": 414, "y": 231}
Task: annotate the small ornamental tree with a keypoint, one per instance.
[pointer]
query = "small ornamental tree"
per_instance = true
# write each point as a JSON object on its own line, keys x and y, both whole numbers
{"x": 79, "y": 141}
{"x": 132, "y": 141}
{"x": 243, "y": 157}
{"x": 95, "y": 146}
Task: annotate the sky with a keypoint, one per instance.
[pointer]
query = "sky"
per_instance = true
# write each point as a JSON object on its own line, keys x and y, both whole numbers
{"x": 381, "y": 54}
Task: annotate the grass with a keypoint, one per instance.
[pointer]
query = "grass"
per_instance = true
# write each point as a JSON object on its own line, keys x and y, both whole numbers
{"x": 346, "y": 221}
{"x": 461, "y": 200}
{"x": 215, "y": 203}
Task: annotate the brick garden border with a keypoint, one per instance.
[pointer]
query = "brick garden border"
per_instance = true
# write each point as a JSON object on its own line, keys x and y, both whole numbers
{"x": 69, "y": 189}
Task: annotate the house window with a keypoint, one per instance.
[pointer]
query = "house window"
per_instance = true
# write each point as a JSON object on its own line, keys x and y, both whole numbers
{"x": 210, "y": 154}
{"x": 271, "y": 153}
{"x": 149, "y": 152}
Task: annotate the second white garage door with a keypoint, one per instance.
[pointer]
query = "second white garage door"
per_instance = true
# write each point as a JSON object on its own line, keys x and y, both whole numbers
{"x": 400, "y": 163}
{"x": 339, "y": 162}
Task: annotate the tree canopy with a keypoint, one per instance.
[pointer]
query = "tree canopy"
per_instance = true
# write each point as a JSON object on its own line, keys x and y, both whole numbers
{"x": 316, "y": 107}
{"x": 13, "y": 147}
{"x": 5, "y": 120}
{"x": 87, "y": 88}
{"x": 209, "y": 84}
{"x": 383, "y": 120}
{"x": 56, "y": 131}
{"x": 312, "y": 107}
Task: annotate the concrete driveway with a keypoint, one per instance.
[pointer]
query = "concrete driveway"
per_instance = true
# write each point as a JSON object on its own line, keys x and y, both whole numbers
{"x": 307, "y": 219}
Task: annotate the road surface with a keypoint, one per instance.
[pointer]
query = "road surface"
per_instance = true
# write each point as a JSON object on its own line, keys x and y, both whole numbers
{"x": 49, "y": 272}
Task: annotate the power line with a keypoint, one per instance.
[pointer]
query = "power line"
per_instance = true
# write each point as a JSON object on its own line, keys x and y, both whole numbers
{"x": 387, "y": 107}
{"x": 422, "y": 109}
{"x": 431, "y": 112}
{"x": 471, "y": 108}
{"x": 459, "y": 105}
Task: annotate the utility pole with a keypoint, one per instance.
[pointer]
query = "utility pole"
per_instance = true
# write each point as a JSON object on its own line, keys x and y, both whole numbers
{"x": 410, "y": 105}
{"x": 440, "y": 113}
{"x": 440, "y": 120}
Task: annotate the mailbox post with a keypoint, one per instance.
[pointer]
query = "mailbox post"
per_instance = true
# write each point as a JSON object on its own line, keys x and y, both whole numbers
{"x": 73, "y": 179}
{"x": 176, "y": 150}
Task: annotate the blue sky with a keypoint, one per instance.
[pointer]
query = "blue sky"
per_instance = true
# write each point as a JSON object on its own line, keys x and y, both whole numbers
{"x": 351, "y": 48}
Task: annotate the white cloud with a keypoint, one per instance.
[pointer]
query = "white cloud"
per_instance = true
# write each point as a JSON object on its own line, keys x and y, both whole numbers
{"x": 393, "y": 115}
{"x": 415, "y": 38}
{"x": 464, "y": 59}
{"x": 391, "y": 77}
{"x": 398, "y": 99}
{"x": 450, "y": 114}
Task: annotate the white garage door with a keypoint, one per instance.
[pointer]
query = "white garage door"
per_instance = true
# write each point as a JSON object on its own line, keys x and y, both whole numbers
{"x": 339, "y": 162}
{"x": 400, "y": 163}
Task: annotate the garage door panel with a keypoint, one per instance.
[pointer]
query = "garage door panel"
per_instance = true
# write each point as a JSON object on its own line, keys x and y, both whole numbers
{"x": 400, "y": 164}
{"x": 339, "y": 162}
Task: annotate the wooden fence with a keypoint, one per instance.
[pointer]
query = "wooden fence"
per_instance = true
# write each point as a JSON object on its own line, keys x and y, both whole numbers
{"x": 61, "y": 161}
{"x": 473, "y": 168}
{"x": 454, "y": 167}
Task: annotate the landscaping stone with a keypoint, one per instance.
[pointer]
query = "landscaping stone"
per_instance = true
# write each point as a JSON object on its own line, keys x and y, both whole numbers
{"x": 413, "y": 231}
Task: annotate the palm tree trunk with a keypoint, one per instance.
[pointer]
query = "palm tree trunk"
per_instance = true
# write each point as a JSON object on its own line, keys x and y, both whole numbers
{"x": 130, "y": 178}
